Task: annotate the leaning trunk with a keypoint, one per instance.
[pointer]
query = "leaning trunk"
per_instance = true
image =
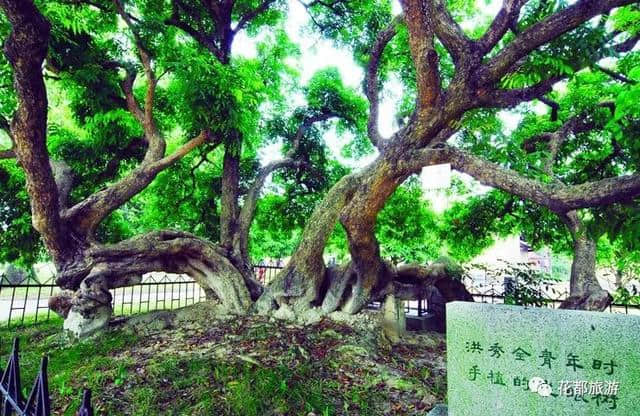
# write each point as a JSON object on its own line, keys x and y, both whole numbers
{"x": 297, "y": 286}
{"x": 355, "y": 201}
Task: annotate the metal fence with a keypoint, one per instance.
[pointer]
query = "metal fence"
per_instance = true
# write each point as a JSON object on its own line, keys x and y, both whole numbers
{"x": 265, "y": 274}
{"x": 28, "y": 302}
{"x": 38, "y": 402}
{"x": 554, "y": 303}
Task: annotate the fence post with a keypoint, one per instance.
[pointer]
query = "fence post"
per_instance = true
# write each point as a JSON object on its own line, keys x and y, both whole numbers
{"x": 39, "y": 403}
{"x": 85, "y": 408}
{"x": 10, "y": 385}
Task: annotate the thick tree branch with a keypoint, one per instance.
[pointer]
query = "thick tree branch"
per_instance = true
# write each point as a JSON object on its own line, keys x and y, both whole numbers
{"x": 25, "y": 49}
{"x": 110, "y": 266}
{"x": 556, "y": 197}
{"x": 371, "y": 82}
{"x": 425, "y": 57}
{"x": 87, "y": 215}
{"x": 448, "y": 31}
{"x": 507, "y": 18}
{"x": 500, "y": 98}
{"x": 251, "y": 199}
{"x": 543, "y": 32}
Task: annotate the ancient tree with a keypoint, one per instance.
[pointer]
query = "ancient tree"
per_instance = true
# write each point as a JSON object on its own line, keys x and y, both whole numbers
{"x": 453, "y": 79}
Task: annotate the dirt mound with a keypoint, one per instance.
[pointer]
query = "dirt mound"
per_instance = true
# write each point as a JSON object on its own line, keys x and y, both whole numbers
{"x": 346, "y": 353}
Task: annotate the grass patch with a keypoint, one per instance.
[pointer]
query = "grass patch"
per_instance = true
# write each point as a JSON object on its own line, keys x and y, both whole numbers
{"x": 246, "y": 366}
{"x": 72, "y": 367}
{"x": 209, "y": 387}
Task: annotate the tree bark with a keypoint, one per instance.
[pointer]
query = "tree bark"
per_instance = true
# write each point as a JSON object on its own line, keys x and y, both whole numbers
{"x": 359, "y": 220}
{"x": 585, "y": 291}
{"x": 298, "y": 284}
{"x": 26, "y": 48}
{"x": 356, "y": 201}
{"x": 230, "y": 193}
{"x": 105, "y": 267}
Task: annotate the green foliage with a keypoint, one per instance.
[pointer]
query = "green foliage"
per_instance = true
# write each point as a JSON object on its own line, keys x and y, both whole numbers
{"x": 626, "y": 19}
{"x": 353, "y": 23}
{"x": 277, "y": 227}
{"x": 19, "y": 244}
{"x": 254, "y": 103}
{"x": 622, "y": 296}
{"x": 407, "y": 228}
{"x": 326, "y": 92}
{"x": 469, "y": 227}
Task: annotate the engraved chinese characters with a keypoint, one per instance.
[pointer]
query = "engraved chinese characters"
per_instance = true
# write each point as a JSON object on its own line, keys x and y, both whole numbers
{"x": 510, "y": 360}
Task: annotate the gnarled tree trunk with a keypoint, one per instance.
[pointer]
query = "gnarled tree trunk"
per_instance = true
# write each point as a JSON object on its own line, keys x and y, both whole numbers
{"x": 306, "y": 283}
{"x": 101, "y": 268}
{"x": 297, "y": 285}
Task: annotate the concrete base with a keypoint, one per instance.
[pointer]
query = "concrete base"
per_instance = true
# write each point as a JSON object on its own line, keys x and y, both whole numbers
{"x": 393, "y": 318}
{"x": 439, "y": 410}
{"x": 81, "y": 327}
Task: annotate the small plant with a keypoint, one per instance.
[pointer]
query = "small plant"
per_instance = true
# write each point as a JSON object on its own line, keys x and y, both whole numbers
{"x": 624, "y": 296}
{"x": 121, "y": 376}
{"x": 64, "y": 389}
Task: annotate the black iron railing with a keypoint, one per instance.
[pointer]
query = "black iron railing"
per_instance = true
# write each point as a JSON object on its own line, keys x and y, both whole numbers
{"x": 30, "y": 302}
{"x": 38, "y": 402}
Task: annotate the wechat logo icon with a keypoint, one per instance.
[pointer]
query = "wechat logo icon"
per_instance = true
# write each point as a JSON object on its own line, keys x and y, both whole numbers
{"x": 540, "y": 386}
